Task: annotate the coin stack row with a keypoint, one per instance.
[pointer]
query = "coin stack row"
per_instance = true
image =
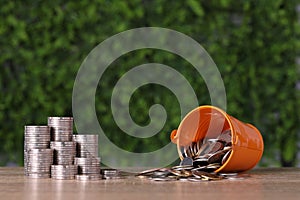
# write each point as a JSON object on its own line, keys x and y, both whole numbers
{"x": 64, "y": 148}
{"x": 87, "y": 159}
{"x": 54, "y": 150}
{"x": 38, "y": 157}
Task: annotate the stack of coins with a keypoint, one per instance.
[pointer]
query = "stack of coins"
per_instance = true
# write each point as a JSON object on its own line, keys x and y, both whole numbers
{"x": 111, "y": 174}
{"x": 36, "y": 137}
{"x": 87, "y": 145}
{"x": 39, "y": 162}
{"x": 61, "y": 128}
{"x": 63, "y": 172}
{"x": 64, "y": 147}
{"x": 37, "y": 155}
{"x": 50, "y": 151}
{"x": 64, "y": 152}
{"x": 88, "y": 169}
{"x": 87, "y": 158}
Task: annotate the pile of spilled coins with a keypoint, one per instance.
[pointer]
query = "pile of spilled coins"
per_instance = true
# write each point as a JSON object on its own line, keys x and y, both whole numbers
{"x": 187, "y": 173}
{"x": 200, "y": 161}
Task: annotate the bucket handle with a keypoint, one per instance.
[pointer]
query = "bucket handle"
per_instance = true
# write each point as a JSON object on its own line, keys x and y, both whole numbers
{"x": 173, "y": 136}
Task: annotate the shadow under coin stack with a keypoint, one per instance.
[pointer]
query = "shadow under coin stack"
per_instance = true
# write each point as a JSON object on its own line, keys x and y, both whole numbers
{"x": 64, "y": 147}
{"x": 38, "y": 157}
{"x": 87, "y": 159}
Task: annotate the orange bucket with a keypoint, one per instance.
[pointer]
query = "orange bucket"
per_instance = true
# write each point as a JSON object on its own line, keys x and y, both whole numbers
{"x": 209, "y": 122}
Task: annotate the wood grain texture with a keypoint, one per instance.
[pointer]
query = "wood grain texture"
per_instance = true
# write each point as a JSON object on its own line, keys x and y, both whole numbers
{"x": 263, "y": 183}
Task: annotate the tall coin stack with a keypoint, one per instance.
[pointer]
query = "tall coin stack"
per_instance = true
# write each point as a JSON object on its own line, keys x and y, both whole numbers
{"x": 38, "y": 157}
{"x": 87, "y": 159}
{"x": 61, "y": 128}
{"x": 64, "y": 147}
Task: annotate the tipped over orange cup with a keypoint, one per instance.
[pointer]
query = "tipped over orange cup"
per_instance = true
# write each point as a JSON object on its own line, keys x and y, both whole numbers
{"x": 208, "y": 122}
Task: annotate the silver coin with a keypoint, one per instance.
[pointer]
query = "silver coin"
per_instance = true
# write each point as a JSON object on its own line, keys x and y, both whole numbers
{"x": 87, "y": 154}
{"x": 181, "y": 173}
{"x": 161, "y": 173}
{"x": 200, "y": 161}
{"x": 150, "y": 171}
{"x": 110, "y": 172}
{"x": 60, "y": 119}
{"x": 60, "y": 137}
{"x": 227, "y": 148}
{"x": 213, "y": 165}
{"x": 63, "y": 162}
{"x": 186, "y": 161}
{"x": 225, "y": 157}
{"x": 36, "y": 128}
{"x": 33, "y": 143}
{"x": 86, "y": 138}
{"x": 38, "y": 175}
{"x": 62, "y": 143}
{"x": 69, "y": 177}
{"x": 212, "y": 140}
{"x": 85, "y": 161}
{"x": 195, "y": 179}
{"x": 216, "y": 157}
{"x": 88, "y": 170}
{"x": 88, "y": 177}
{"x": 228, "y": 174}
{"x": 39, "y": 160}
{"x": 203, "y": 168}
{"x": 195, "y": 148}
{"x": 61, "y": 131}
{"x": 162, "y": 179}
{"x": 63, "y": 167}
{"x": 40, "y": 151}
{"x": 37, "y": 140}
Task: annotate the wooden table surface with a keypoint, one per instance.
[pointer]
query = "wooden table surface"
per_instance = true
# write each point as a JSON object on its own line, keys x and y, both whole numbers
{"x": 263, "y": 183}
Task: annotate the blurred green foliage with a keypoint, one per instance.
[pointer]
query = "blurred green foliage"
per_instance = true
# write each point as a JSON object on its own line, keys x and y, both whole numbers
{"x": 254, "y": 44}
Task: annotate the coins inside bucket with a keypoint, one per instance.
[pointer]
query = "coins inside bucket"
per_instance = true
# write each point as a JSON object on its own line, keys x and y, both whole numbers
{"x": 208, "y": 153}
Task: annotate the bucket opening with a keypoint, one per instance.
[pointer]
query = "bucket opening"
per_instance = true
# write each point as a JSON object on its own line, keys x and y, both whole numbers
{"x": 206, "y": 122}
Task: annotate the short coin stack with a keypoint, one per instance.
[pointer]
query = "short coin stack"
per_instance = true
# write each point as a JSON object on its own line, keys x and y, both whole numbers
{"x": 111, "y": 174}
{"x": 63, "y": 172}
{"x": 38, "y": 157}
{"x": 87, "y": 159}
{"x": 64, "y": 148}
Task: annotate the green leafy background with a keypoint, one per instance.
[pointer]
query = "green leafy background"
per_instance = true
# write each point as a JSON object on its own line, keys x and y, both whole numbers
{"x": 255, "y": 45}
